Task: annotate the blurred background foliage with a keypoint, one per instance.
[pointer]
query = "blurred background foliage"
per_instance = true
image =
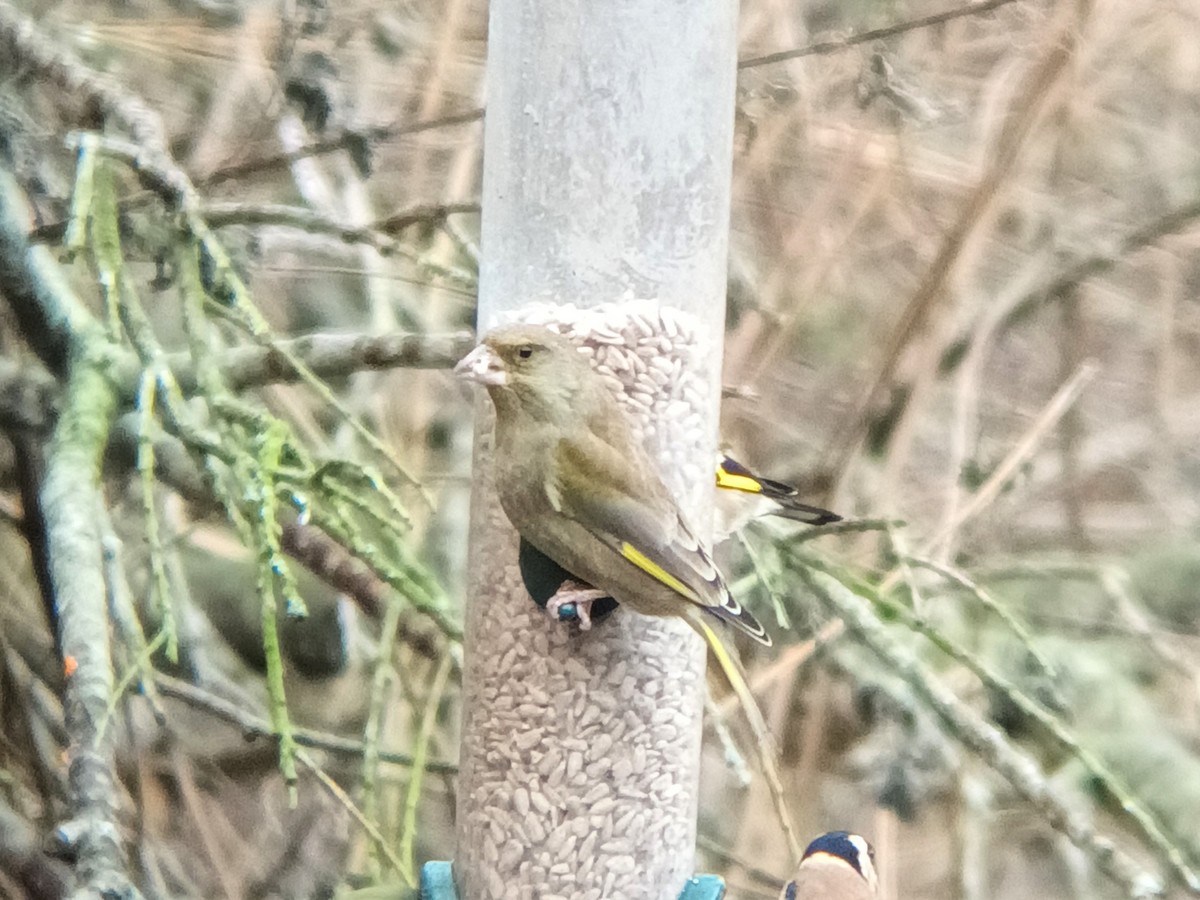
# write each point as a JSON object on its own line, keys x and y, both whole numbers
{"x": 963, "y": 303}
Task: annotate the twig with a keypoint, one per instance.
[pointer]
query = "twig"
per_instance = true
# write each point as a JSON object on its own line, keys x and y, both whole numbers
{"x": 332, "y": 356}
{"x": 219, "y": 215}
{"x": 426, "y": 213}
{"x": 1010, "y": 621}
{"x": 1063, "y": 284}
{"x": 379, "y": 236}
{"x": 29, "y": 453}
{"x": 372, "y": 830}
{"x": 1151, "y": 828}
{"x": 381, "y": 680}
{"x": 21, "y": 854}
{"x": 1050, "y": 414}
{"x": 340, "y": 569}
{"x": 729, "y": 857}
{"x": 253, "y": 726}
{"x": 320, "y": 148}
{"x": 28, "y": 395}
{"x": 428, "y": 720}
{"x": 847, "y": 526}
{"x": 25, "y": 46}
{"x": 71, "y": 502}
{"x": 787, "y": 662}
{"x": 928, "y": 300}
{"x": 1170, "y": 222}
{"x": 833, "y": 45}
{"x": 1016, "y": 766}
{"x": 123, "y": 611}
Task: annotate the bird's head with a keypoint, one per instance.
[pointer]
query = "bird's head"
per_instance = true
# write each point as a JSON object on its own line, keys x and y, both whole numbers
{"x": 530, "y": 367}
{"x": 833, "y": 857}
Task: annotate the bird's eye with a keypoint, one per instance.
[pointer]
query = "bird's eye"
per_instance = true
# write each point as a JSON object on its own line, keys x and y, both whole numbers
{"x": 525, "y": 352}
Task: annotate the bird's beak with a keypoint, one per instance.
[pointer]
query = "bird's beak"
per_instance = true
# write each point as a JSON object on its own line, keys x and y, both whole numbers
{"x": 482, "y": 365}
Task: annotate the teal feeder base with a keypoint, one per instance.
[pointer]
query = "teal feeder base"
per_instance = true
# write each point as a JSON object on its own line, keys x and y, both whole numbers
{"x": 704, "y": 887}
{"x": 438, "y": 884}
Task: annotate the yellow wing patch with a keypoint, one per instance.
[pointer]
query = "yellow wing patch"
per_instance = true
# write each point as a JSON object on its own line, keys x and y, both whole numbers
{"x": 657, "y": 572}
{"x": 731, "y": 481}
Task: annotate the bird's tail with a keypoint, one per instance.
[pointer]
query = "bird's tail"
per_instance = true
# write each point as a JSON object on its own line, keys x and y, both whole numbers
{"x": 791, "y": 508}
{"x": 734, "y": 677}
{"x": 732, "y": 612}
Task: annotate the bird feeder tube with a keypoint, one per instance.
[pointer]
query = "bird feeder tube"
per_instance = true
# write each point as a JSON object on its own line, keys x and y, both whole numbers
{"x": 581, "y": 748}
{"x": 605, "y": 203}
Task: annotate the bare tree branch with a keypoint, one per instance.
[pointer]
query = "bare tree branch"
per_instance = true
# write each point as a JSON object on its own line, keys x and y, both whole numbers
{"x": 820, "y": 48}
{"x": 71, "y": 501}
{"x": 1020, "y": 769}
{"x": 23, "y": 45}
{"x": 328, "y": 356}
{"x": 253, "y": 726}
{"x": 928, "y": 302}
{"x": 28, "y": 397}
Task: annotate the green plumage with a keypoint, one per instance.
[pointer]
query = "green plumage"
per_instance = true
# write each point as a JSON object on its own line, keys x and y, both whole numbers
{"x": 578, "y": 486}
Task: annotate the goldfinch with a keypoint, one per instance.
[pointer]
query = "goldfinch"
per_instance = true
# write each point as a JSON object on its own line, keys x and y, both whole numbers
{"x": 744, "y": 495}
{"x": 836, "y": 866}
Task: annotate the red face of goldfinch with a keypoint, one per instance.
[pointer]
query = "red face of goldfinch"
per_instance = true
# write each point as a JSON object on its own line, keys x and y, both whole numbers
{"x": 836, "y": 866}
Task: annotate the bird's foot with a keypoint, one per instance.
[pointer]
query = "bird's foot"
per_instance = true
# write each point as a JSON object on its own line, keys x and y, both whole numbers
{"x": 573, "y": 600}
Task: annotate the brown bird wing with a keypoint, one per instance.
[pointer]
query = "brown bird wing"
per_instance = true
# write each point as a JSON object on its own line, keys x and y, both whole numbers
{"x": 622, "y": 502}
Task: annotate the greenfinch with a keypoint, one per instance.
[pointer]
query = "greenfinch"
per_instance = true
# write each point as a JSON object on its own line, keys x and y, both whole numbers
{"x": 579, "y": 487}
{"x": 835, "y": 866}
{"x": 741, "y": 496}
{"x": 597, "y": 523}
